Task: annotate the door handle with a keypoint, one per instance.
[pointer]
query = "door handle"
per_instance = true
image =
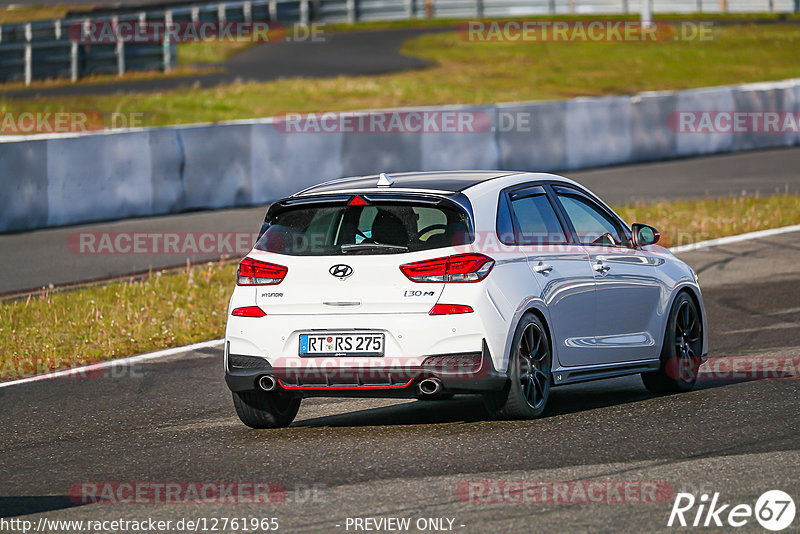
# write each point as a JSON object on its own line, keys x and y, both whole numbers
{"x": 542, "y": 268}
{"x": 601, "y": 267}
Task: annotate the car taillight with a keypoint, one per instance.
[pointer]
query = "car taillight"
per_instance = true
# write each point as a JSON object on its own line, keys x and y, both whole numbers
{"x": 450, "y": 309}
{"x": 248, "y": 311}
{"x": 458, "y": 268}
{"x": 259, "y": 273}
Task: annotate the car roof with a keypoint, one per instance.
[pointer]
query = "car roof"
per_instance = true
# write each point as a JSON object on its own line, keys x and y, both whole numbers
{"x": 432, "y": 181}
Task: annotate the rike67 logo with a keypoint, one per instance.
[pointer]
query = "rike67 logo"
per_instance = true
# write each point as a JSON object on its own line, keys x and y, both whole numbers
{"x": 774, "y": 510}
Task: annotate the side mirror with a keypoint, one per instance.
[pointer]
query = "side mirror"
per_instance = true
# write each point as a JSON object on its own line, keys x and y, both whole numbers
{"x": 644, "y": 234}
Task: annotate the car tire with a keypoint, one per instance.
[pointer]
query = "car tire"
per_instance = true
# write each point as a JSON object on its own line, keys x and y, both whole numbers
{"x": 681, "y": 352}
{"x": 530, "y": 378}
{"x": 258, "y": 409}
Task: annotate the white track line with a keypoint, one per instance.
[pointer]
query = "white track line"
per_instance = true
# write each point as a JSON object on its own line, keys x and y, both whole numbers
{"x": 111, "y": 363}
{"x": 218, "y": 342}
{"x": 735, "y": 239}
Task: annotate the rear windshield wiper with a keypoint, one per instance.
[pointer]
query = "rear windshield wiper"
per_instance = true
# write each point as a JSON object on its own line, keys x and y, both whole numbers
{"x": 357, "y": 247}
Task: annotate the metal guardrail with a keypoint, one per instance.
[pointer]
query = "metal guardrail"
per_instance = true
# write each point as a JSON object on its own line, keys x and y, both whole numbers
{"x": 44, "y": 49}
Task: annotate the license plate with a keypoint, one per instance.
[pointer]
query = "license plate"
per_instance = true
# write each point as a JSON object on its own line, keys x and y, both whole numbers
{"x": 332, "y": 344}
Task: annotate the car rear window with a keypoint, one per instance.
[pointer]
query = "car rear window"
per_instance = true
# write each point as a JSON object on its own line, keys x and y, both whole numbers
{"x": 383, "y": 228}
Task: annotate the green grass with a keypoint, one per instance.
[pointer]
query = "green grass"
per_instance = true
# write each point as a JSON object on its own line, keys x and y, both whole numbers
{"x": 433, "y": 23}
{"x": 690, "y": 221}
{"x": 180, "y": 71}
{"x": 96, "y": 323}
{"x": 475, "y": 73}
{"x": 204, "y": 52}
{"x": 55, "y": 330}
{"x": 18, "y": 13}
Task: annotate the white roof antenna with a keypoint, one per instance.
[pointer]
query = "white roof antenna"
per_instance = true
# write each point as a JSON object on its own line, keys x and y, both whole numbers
{"x": 384, "y": 180}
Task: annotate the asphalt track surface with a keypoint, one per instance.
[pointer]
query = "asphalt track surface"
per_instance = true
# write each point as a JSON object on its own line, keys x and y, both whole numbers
{"x": 330, "y": 54}
{"x": 39, "y": 258}
{"x": 171, "y": 420}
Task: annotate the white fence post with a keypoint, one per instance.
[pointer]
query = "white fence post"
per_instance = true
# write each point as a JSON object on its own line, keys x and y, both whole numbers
{"x": 410, "y": 11}
{"x": 28, "y": 54}
{"x": 57, "y": 29}
{"x": 166, "y": 44}
{"x": 478, "y": 9}
{"x": 247, "y": 11}
{"x": 120, "y": 46}
{"x": 194, "y": 13}
{"x": 73, "y": 61}
{"x": 304, "y": 16}
{"x": 647, "y": 13}
{"x": 222, "y": 14}
{"x": 626, "y": 8}
{"x": 273, "y": 10}
{"x": 28, "y": 66}
{"x": 351, "y": 11}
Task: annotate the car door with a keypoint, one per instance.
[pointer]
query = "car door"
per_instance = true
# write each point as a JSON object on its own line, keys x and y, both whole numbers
{"x": 628, "y": 290}
{"x": 561, "y": 268}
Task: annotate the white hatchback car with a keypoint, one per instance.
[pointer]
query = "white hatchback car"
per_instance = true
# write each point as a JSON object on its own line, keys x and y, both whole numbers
{"x": 430, "y": 284}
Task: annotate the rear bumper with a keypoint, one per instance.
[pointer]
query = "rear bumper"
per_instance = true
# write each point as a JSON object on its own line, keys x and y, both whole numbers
{"x": 456, "y": 376}
{"x": 409, "y": 337}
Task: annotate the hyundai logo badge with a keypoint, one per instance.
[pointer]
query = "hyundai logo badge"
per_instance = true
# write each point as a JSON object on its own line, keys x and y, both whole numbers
{"x": 341, "y": 271}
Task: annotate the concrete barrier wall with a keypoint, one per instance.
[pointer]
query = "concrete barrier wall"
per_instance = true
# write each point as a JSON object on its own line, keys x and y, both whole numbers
{"x": 115, "y": 186}
{"x": 712, "y": 100}
{"x": 648, "y": 143}
{"x": 271, "y": 170}
{"x": 791, "y": 97}
{"x": 598, "y": 131}
{"x": 540, "y": 144}
{"x": 61, "y": 179}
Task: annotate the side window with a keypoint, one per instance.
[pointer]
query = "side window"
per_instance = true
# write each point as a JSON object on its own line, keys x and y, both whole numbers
{"x": 505, "y": 228}
{"x": 537, "y": 220}
{"x": 591, "y": 223}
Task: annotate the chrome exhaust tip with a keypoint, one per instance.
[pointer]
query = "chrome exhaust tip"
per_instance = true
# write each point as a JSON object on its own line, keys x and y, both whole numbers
{"x": 430, "y": 386}
{"x": 267, "y": 383}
